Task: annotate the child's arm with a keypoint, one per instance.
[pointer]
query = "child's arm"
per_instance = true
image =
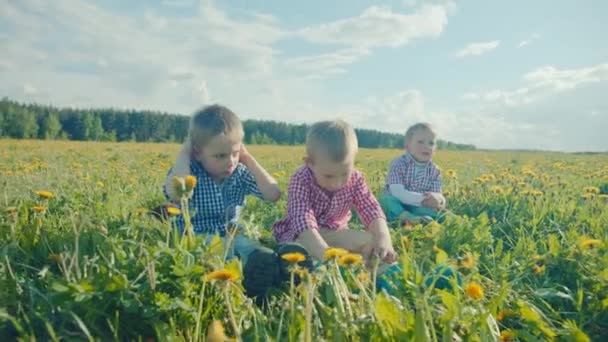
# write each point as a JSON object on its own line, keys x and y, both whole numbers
{"x": 382, "y": 243}
{"x": 181, "y": 168}
{"x": 266, "y": 183}
{"x": 373, "y": 218}
{"x": 406, "y": 196}
{"x": 314, "y": 243}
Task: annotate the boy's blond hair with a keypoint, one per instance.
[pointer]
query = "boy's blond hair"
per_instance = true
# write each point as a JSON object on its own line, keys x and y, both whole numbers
{"x": 421, "y": 126}
{"x": 211, "y": 121}
{"x": 336, "y": 137}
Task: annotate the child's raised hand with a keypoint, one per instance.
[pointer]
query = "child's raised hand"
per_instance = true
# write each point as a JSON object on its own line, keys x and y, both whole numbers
{"x": 244, "y": 154}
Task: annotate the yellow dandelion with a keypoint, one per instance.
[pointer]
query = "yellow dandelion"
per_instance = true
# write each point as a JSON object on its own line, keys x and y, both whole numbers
{"x": 590, "y": 243}
{"x": 350, "y": 259}
{"x": 215, "y": 332}
{"x": 11, "y": 210}
{"x": 363, "y": 277}
{"x": 538, "y": 269}
{"x": 498, "y": 190}
{"x": 536, "y": 193}
{"x": 405, "y": 241}
{"x": 333, "y": 253}
{"x": 190, "y": 182}
{"x": 223, "y": 275}
{"x": 39, "y": 208}
{"x": 451, "y": 174}
{"x": 468, "y": 261}
{"x": 501, "y": 315}
{"x": 100, "y": 184}
{"x": 507, "y": 335}
{"x": 591, "y": 189}
{"x": 44, "y": 194}
{"x": 474, "y": 291}
{"x": 173, "y": 211}
{"x": 588, "y": 195}
{"x": 293, "y": 257}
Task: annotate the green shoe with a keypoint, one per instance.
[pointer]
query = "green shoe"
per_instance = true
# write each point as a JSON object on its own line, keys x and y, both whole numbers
{"x": 261, "y": 273}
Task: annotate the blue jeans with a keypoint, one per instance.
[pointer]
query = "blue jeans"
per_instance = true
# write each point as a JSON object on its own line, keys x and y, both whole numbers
{"x": 240, "y": 247}
{"x": 394, "y": 209}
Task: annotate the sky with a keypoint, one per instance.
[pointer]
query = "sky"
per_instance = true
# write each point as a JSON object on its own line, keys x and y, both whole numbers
{"x": 496, "y": 74}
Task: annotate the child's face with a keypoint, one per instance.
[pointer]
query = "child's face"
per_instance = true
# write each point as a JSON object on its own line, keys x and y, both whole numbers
{"x": 330, "y": 175}
{"x": 421, "y": 145}
{"x": 219, "y": 156}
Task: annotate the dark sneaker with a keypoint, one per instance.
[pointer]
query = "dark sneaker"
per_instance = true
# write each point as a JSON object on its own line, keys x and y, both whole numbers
{"x": 284, "y": 264}
{"x": 261, "y": 273}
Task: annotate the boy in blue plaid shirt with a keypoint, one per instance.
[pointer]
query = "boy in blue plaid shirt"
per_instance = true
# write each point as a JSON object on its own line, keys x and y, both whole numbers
{"x": 226, "y": 173}
{"x": 413, "y": 190}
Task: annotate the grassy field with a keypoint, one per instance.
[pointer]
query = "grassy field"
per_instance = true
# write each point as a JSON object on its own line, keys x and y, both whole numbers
{"x": 82, "y": 260}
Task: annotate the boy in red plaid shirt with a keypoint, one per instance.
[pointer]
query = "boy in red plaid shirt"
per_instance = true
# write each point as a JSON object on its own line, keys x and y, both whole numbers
{"x": 413, "y": 186}
{"x": 321, "y": 194}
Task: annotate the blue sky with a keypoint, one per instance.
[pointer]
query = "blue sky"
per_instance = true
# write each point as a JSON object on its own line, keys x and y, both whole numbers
{"x": 496, "y": 74}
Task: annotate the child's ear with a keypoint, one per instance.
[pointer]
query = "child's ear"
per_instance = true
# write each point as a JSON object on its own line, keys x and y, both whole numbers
{"x": 307, "y": 160}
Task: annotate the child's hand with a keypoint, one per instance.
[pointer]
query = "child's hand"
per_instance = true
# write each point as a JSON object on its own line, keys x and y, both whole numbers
{"x": 244, "y": 156}
{"x": 433, "y": 200}
{"x": 383, "y": 248}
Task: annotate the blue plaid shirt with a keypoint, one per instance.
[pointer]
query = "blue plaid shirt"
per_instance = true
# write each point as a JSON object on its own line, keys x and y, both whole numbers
{"x": 214, "y": 205}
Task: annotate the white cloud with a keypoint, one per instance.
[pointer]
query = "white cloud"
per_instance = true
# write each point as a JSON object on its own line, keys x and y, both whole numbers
{"x": 542, "y": 82}
{"x": 380, "y": 26}
{"x": 528, "y": 41}
{"x": 29, "y": 89}
{"x": 477, "y": 49}
{"x": 318, "y": 66}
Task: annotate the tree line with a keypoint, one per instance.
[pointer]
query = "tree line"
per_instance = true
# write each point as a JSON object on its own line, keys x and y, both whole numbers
{"x": 34, "y": 121}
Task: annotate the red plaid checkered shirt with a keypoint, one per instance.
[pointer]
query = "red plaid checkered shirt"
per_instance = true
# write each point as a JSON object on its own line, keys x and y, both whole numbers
{"x": 311, "y": 207}
{"x": 414, "y": 176}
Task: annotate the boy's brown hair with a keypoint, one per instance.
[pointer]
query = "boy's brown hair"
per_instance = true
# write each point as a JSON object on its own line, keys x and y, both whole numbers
{"x": 421, "y": 126}
{"x": 336, "y": 137}
{"x": 211, "y": 121}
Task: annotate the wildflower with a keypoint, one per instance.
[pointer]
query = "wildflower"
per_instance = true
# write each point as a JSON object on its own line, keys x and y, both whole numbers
{"x": 501, "y": 315}
{"x": 536, "y": 193}
{"x": 591, "y": 189}
{"x": 293, "y": 257}
{"x": 468, "y": 261}
{"x": 100, "y": 184}
{"x": 350, "y": 259}
{"x": 39, "y": 208}
{"x": 474, "y": 290}
{"x": 590, "y": 243}
{"x": 405, "y": 241}
{"x": 215, "y": 332}
{"x": 507, "y": 335}
{"x": 44, "y": 194}
{"x": 179, "y": 184}
{"x": 190, "y": 182}
{"x": 173, "y": 211}
{"x": 363, "y": 277}
{"x": 497, "y": 189}
{"x": 222, "y": 275}
{"x": 538, "y": 269}
{"x": 451, "y": 174}
{"x": 11, "y": 210}
{"x": 333, "y": 253}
